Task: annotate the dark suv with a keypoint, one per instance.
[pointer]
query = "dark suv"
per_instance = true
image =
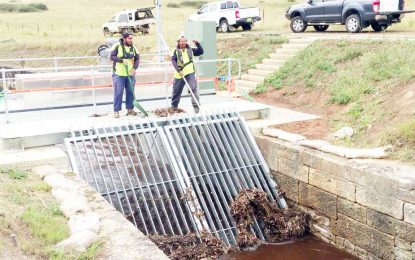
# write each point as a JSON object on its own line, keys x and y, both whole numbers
{"x": 354, "y": 14}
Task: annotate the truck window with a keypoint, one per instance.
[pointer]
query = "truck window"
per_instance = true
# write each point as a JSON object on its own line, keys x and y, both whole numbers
{"x": 212, "y": 8}
{"x": 112, "y": 20}
{"x": 229, "y": 5}
{"x": 223, "y": 6}
{"x": 123, "y": 18}
{"x": 203, "y": 10}
{"x": 130, "y": 16}
{"x": 235, "y": 5}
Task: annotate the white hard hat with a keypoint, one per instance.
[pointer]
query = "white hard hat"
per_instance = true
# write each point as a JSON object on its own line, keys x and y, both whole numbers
{"x": 181, "y": 35}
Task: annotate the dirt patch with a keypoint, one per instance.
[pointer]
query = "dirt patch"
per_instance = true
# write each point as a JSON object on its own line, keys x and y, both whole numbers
{"x": 279, "y": 225}
{"x": 165, "y": 112}
{"x": 313, "y": 101}
{"x": 312, "y": 129}
{"x": 190, "y": 246}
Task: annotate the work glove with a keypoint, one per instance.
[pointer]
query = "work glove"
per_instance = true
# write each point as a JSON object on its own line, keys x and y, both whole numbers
{"x": 125, "y": 61}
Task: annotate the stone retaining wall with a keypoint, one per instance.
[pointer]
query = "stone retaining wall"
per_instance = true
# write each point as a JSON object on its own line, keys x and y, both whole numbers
{"x": 366, "y": 207}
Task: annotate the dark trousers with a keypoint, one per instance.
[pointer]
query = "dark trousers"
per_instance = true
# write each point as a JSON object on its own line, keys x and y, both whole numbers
{"x": 178, "y": 86}
{"x": 119, "y": 84}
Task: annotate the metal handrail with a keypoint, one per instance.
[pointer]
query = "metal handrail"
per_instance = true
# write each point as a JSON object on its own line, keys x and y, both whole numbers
{"x": 93, "y": 69}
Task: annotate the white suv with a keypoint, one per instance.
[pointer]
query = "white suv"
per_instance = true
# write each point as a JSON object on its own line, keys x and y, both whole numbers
{"x": 227, "y": 15}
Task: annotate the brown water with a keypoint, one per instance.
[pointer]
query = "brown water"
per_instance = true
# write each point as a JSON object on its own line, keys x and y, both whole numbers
{"x": 310, "y": 248}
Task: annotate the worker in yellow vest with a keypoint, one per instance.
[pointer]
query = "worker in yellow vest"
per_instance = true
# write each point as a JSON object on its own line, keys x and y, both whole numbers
{"x": 125, "y": 59}
{"x": 182, "y": 60}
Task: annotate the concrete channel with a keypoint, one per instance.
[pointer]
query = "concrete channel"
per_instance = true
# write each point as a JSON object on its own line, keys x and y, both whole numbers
{"x": 364, "y": 207}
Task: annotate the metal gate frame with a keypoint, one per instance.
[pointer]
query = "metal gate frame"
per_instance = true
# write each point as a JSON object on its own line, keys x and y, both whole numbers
{"x": 213, "y": 157}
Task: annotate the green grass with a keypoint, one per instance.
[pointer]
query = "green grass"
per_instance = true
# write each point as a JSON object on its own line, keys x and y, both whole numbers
{"x": 22, "y": 8}
{"x": 250, "y": 50}
{"x": 358, "y": 77}
{"x": 193, "y": 4}
{"x": 46, "y": 224}
{"x": 34, "y": 217}
{"x": 62, "y": 24}
{"x": 14, "y": 173}
{"x": 349, "y": 69}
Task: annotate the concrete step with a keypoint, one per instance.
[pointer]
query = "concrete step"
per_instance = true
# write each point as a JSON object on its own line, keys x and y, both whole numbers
{"x": 262, "y": 73}
{"x": 283, "y": 57}
{"x": 294, "y": 45}
{"x": 243, "y": 90}
{"x": 254, "y": 78}
{"x": 302, "y": 40}
{"x": 246, "y": 84}
{"x": 273, "y": 62}
{"x": 267, "y": 67}
{"x": 287, "y": 51}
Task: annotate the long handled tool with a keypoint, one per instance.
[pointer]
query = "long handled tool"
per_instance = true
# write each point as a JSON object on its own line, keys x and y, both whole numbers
{"x": 191, "y": 92}
{"x": 135, "y": 102}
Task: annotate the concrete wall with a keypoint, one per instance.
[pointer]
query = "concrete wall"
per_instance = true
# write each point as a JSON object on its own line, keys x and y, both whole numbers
{"x": 366, "y": 207}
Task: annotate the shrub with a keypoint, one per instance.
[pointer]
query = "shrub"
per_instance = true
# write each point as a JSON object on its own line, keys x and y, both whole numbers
{"x": 194, "y": 4}
{"x": 28, "y": 9}
{"x": 40, "y": 6}
{"x": 173, "y": 5}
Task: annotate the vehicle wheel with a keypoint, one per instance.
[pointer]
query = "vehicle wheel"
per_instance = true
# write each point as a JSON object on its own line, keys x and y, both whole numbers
{"x": 321, "y": 28}
{"x": 353, "y": 24}
{"x": 379, "y": 27}
{"x": 246, "y": 27}
{"x": 102, "y": 48}
{"x": 107, "y": 32}
{"x": 224, "y": 26}
{"x": 298, "y": 25}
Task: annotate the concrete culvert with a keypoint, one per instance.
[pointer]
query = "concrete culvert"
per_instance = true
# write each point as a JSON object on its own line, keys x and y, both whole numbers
{"x": 187, "y": 180}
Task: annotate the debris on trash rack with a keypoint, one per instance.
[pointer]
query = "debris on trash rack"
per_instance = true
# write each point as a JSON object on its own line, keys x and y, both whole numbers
{"x": 279, "y": 224}
{"x": 165, "y": 112}
{"x": 190, "y": 246}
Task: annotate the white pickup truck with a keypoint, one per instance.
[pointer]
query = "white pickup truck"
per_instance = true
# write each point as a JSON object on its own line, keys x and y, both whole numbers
{"x": 133, "y": 21}
{"x": 228, "y": 15}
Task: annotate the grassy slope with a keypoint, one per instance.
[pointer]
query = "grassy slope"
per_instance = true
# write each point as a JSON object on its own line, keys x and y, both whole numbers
{"x": 80, "y": 21}
{"x": 77, "y": 25}
{"x": 360, "y": 78}
{"x": 28, "y": 211}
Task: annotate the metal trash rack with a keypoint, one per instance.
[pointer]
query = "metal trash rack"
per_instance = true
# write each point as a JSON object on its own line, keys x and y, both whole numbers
{"x": 176, "y": 175}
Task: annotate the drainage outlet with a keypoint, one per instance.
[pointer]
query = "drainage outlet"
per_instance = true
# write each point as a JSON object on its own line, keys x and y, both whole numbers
{"x": 175, "y": 176}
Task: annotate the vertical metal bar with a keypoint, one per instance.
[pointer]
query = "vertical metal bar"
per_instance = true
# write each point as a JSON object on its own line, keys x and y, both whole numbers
{"x": 99, "y": 138}
{"x": 166, "y": 85}
{"x": 79, "y": 155}
{"x": 135, "y": 149}
{"x": 119, "y": 173}
{"x": 154, "y": 179}
{"x": 93, "y": 89}
{"x": 200, "y": 156}
{"x": 194, "y": 206}
{"x": 281, "y": 200}
{"x": 99, "y": 165}
{"x": 243, "y": 153}
{"x": 166, "y": 173}
{"x": 145, "y": 179}
{"x": 178, "y": 141}
{"x": 241, "y": 182}
{"x": 193, "y": 163}
{"x": 71, "y": 155}
{"x": 5, "y": 91}
{"x": 135, "y": 174}
{"x": 91, "y": 167}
